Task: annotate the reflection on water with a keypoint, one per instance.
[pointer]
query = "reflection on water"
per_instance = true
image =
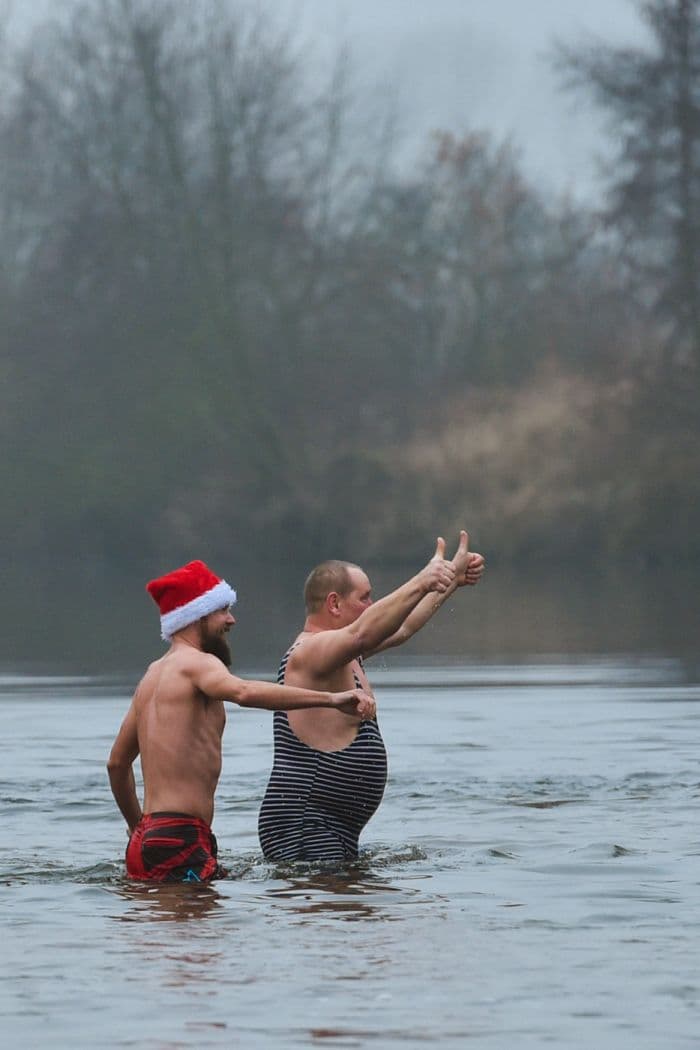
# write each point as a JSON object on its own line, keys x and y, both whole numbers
{"x": 176, "y": 936}
{"x": 167, "y": 902}
{"x": 350, "y": 896}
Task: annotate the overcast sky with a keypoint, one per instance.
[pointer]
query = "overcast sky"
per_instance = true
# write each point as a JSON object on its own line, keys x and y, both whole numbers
{"x": 461, "y": 65}
{"x": 478, "y": 64}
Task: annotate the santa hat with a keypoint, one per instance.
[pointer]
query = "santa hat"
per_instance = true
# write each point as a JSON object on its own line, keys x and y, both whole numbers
{"x": 186, "y": 594}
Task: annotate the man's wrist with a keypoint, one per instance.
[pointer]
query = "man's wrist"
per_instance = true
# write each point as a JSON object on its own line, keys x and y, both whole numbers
{"x": 425, "y": 584}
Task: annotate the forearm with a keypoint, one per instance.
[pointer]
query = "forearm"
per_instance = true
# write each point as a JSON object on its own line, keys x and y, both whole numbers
{"x": 123, "y": 787}
{"x": 387, "y": 615}
{"x": 468, "y": 574}
{"x": 272, "y": 697}
{"x": 417, "y": 618}
{"x": 426, "y": 608}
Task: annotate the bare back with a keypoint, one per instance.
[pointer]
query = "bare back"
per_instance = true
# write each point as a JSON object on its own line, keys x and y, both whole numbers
{"x": 179, "y": 733}
{"x": 324, "y": 730}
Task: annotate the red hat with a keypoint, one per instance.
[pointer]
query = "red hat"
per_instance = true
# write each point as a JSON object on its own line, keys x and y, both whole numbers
{"x": 186, "y": 594}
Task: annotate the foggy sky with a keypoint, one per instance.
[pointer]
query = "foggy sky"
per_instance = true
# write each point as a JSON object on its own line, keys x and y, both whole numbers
{"x": 478, "y": 64}
{"x": 460, "y": 65}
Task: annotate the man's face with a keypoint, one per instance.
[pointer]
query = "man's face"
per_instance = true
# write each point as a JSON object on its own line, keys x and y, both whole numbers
{"x": 357, "y": 599}
{"x": 213, "y": 630}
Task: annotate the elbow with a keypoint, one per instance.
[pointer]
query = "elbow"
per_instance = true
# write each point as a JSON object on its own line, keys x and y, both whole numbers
{"x": 244, "y": 694}
{"x": 401, "y": 636}
{"x": 369, "y": 641}
{"x": 116, "y": 766}
{"x": 364, "y": 640}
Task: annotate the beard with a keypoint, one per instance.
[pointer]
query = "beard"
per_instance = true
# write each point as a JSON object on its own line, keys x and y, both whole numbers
{"x": 216, "y": 645}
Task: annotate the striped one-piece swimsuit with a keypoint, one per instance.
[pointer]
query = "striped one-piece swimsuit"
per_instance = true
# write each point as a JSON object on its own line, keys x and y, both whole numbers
{"x": 317, "y": 802}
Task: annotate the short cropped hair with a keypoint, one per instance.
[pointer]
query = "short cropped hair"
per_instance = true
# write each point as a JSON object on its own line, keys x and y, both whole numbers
{"x": 326, "y": 577}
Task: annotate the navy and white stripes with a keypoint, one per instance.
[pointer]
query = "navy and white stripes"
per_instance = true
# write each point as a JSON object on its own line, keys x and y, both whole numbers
{"x": 317, "y": 802}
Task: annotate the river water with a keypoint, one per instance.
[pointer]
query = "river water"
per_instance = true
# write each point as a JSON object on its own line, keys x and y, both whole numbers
{"x": 531, "y": 878}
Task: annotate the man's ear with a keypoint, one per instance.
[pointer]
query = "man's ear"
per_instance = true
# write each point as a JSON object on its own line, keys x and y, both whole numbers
{"x": 333, "y": 603}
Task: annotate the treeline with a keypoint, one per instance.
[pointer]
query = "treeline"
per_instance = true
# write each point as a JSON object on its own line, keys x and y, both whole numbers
{"x": 225, "y": 316}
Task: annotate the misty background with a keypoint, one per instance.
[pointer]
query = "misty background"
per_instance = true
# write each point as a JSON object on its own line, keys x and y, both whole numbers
{"x": 295, "y": 280}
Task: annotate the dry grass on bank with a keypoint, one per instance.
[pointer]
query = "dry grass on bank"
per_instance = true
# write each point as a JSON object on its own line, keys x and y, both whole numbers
{"x": 561, "y": 467}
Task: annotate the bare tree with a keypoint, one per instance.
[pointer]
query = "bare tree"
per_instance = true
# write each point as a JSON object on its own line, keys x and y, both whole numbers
{"x": 652, "y": 98}
{"x": 170, "y": 198}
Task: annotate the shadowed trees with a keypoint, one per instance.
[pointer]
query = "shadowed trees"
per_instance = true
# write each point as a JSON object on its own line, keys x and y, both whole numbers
{"x": 223, "y": 305}
{"x": 168, "y": 189}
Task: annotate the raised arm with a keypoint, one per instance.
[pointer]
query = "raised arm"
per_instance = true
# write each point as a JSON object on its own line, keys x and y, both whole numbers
{"x": 328, "y": 650}
{"x": 469, "y": 568}
{"x": 120, "y": 768}
{"x": 212, "y": 678}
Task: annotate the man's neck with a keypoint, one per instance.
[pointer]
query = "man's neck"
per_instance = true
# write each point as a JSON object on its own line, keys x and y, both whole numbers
{"x": 314, "y": 625}
{"x": 188, "y": 636}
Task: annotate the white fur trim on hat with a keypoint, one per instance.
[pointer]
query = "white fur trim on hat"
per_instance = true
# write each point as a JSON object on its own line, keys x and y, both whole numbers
{"x": 217, "y": 598}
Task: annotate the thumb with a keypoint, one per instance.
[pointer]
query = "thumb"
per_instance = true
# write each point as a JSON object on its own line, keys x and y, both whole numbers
{"x": 463, "y": 542}
{"x": 440, "y": 549}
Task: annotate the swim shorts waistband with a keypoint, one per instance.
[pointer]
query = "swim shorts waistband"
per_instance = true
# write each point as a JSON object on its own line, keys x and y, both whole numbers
{"x": 174, "y": 814}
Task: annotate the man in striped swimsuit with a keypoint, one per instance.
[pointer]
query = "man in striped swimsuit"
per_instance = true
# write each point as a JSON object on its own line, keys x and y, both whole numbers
{"x": 330, "y": 768}
{"x": 176, "y": 721}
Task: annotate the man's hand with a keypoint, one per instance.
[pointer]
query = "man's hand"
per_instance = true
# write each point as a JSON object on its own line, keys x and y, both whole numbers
{"x": 356, "y": 702}
{"x": 438, "y": 574}
{"x": 469, "y": 566}
{"x": 475, "y": 570}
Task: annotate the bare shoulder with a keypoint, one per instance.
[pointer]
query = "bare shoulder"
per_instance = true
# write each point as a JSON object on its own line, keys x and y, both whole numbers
{"x": 182, "y": 674}
{"x": 179, "y": 667}
{"x": 305, "y": 649}
{"x": 322, "y": 652}
{"x": 185, "y": 657}
{"x": 206, "y": 673}
{"x": 200, "y": 671}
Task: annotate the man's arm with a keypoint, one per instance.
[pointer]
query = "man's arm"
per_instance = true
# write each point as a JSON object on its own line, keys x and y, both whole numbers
{"x": 469, "y": 568}
{"x": 328, "y": 650}
{"x": 209, "y": 675}
{"x": 121, "y": 772}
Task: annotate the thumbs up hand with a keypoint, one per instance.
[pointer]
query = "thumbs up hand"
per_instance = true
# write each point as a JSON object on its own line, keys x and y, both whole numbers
{"x": 438, "y": 575}
{"x": 469, "y": 565}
